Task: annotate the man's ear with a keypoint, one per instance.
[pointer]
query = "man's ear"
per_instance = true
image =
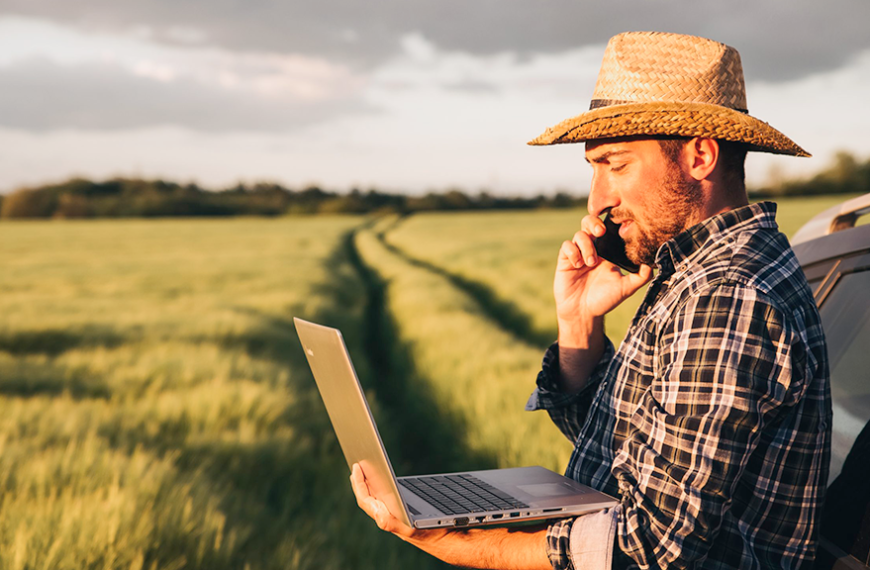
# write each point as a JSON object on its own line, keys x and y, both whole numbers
{"x": 701, "y": 156}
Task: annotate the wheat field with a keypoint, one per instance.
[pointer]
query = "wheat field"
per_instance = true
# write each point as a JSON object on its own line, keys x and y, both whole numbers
{"x": 158, "y": 412}
{"x": 511, "y": 257}
{"x": 156, "y": 409}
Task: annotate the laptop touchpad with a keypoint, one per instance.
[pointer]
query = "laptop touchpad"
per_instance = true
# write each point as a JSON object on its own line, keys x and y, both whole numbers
{"x": 547, "y": 489}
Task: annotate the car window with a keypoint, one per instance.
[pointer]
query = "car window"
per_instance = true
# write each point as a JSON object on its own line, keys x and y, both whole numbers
{"x": 816, "y": 272}
{"x": 846, "y": 318}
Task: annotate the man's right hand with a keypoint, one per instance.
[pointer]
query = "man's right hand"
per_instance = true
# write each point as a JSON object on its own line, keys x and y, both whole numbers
{"x": 587, "y": 287}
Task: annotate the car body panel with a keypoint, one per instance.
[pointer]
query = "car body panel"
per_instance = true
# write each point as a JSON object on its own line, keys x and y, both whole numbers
{"x": 835, "y": 256}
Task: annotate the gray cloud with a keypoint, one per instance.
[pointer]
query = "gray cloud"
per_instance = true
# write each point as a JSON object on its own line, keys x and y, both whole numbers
{"x": 470, "y": 86}
{"x": 779, "y": 40}
{"x": 38, "y": 95}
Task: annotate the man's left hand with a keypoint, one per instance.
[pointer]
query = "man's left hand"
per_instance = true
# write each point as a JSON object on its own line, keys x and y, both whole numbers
{"x": 470, "y": 548}
{"x": 377, "y": 510}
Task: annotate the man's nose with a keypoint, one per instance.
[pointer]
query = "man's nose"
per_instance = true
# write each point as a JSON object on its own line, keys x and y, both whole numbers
{"x": 601, "y": 196}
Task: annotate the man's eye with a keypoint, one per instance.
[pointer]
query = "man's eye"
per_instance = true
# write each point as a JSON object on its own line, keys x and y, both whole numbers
{"x": 618, "y": 168}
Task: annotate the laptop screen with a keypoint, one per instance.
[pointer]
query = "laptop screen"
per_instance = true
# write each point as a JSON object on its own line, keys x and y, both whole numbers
{"x": 349, "y": 412}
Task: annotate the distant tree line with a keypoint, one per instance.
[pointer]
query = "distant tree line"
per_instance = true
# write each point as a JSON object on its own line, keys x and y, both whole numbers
{"x": 124, "y": 197}
{"x": 847, "y": 175}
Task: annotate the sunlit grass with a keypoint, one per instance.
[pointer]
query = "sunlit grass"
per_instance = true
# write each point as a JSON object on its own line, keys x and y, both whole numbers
{"x": 159, "y": 413}
{"x": 479, "y": 375}
{"x": 514, "y": 253}
{"x": 157, "y": 409}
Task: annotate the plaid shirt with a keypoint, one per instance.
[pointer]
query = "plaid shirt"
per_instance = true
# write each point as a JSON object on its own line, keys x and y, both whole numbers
{"x": 711, "y": 422}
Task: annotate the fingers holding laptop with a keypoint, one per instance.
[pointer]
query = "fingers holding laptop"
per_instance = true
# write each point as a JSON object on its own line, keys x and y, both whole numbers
{"x": 468, "y": 548}
{"x": 428, "y": 540}
{"x": 375, "y": 508}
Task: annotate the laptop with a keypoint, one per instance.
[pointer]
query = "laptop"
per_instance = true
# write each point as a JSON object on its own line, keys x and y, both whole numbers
{"x": 461, "y": 499}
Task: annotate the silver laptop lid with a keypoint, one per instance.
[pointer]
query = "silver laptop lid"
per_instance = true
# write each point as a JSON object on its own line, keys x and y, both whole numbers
{"x": 349, "y": 412}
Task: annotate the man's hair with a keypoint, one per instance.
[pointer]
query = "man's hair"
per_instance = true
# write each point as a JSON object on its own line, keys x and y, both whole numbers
{"x": 732, "y": 157}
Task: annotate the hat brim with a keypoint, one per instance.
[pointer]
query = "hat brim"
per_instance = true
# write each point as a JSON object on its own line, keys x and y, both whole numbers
{"x": 671, "y": 119}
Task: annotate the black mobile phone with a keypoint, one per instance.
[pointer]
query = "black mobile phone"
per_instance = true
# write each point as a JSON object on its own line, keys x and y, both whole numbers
{"x": 612, "y": 247}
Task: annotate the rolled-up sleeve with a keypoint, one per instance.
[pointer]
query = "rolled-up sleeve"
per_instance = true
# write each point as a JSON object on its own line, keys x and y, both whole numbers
{"x": 583, "y": 543}
{"x": 568, "y": 411}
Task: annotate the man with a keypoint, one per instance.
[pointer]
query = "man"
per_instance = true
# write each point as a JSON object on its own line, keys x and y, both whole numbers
{"x": 711, "y": 422}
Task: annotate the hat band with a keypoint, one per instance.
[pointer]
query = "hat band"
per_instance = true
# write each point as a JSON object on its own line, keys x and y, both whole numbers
{"x": 599, "y": 103}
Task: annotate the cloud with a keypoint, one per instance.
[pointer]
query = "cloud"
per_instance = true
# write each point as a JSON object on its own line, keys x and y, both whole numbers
{"x": 824, "y": 113}
{"x": 779, "y": 40}
{"x": 55, "y": 77}
{"x": 40, "y": 95}
{"x": 421, "y": 69}
{"x": 434, "y": 138}
{"x": 427, "y": 115}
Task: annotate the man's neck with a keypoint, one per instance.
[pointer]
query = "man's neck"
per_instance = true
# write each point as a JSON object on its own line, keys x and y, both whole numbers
{"x": 718, "y": 199}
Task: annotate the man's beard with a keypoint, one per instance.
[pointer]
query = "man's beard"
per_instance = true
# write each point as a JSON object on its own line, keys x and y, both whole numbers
{"x": 677, "y": 197}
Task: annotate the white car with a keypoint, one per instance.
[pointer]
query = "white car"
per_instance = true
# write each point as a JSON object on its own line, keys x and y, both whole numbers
{"x": 835, "y": 255}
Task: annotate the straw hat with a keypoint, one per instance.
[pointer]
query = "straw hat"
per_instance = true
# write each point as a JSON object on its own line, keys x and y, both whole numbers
{"x": 653, "y": 83}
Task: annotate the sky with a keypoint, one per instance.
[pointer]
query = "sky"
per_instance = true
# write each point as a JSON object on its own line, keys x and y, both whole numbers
{"x": 399, "y": 95}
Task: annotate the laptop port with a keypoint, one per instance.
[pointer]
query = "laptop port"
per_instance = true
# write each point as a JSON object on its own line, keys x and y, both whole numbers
{"x": 494, "y": 517}
{"x": 460, "y": 521}
{"x": 515, "y": 515}
{"x": 552, "y": 510}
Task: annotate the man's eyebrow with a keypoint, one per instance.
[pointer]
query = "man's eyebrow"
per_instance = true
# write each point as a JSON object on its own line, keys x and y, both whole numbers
{"x": 604, "y": 157}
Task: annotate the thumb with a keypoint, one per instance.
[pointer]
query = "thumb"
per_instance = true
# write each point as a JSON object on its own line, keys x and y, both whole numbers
{"x": 634, "y": 281}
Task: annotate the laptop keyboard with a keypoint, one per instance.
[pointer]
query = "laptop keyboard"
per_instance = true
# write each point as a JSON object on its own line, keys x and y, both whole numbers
{"x": 460, "y": 494}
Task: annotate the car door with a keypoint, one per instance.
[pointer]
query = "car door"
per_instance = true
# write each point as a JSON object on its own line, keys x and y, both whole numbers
{"x": 837, "y": 267}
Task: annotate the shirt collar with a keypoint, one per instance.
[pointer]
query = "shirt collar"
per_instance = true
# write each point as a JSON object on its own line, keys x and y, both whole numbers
{"x": 712, "y": 231}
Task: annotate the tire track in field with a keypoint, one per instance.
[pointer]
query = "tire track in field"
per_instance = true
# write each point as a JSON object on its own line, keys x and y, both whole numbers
{"x": 430, "y": 439}
{"x": 476, "y": 369}
{"x": 501, "y": 311}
